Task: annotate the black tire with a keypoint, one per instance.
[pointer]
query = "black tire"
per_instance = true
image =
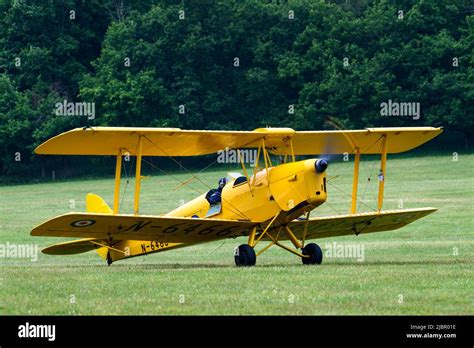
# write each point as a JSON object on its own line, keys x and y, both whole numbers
{"x": 315, "y": 254}
{"x": 244, "y": 256}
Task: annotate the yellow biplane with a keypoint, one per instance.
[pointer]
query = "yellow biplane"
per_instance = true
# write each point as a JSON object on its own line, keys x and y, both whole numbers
{"x": 271, "y": 204}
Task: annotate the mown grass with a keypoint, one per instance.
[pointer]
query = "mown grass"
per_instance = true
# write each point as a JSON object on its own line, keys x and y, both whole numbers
{"x": 424, "y": 268}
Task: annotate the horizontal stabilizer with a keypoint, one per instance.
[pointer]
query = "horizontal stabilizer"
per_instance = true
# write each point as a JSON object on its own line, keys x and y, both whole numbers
{"x": 72, "y": 247}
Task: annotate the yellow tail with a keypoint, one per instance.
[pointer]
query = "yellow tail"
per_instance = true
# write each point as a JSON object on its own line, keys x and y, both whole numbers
{"x": 95, "y": 204}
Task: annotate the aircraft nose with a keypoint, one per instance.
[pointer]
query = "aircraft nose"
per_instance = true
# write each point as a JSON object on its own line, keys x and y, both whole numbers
{"x": 320, "y": 165}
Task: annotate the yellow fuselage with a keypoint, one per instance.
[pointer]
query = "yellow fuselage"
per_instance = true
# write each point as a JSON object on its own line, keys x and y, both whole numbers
{"x": 292, "y": 189}
{"x": 287, "y": 190}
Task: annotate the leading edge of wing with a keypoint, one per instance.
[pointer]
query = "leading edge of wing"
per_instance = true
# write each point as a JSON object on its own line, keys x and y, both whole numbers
{"x": 179, "y": 142}
{"x": 141, "y": 227}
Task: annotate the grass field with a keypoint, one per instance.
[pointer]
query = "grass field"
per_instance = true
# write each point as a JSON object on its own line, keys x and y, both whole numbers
{"x": 424, "y": 268}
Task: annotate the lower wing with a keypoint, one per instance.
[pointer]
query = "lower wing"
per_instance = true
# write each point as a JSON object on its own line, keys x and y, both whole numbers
{"x": 144, "y": 228}
{"x": 344, "y": 225}
{"x": 102, "y": 230}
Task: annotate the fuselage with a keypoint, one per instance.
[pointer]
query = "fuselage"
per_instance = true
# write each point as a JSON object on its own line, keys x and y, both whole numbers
{"x": 288, "y": 190}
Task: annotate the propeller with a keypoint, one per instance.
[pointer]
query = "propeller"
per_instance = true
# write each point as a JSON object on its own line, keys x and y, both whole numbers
{"x": 327, "y": 155}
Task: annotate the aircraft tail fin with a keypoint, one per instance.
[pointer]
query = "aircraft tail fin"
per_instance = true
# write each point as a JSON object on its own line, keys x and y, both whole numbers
{"x": 96, "y": 204}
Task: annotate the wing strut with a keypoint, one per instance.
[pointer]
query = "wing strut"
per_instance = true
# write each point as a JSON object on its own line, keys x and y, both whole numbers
{"x": 118, "y": 170}
{"x": 245, "y": 171}
{"x": 138, "y": 177}
{"x": 383, "y": 162}
{"x": 355, "y": 181}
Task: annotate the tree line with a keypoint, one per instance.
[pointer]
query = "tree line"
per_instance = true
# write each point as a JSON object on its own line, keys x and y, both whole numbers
{"x": 229, "y": 65}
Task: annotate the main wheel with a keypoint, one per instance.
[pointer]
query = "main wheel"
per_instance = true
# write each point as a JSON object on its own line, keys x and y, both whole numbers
{"x": 244, "y": 255}
{"x": 315, "y": 254}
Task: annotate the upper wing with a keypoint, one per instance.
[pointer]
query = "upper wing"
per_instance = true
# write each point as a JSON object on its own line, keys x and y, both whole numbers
{"x": 343, "y": 225}
{"x": 146, "y": 228}
{"x": 369, "y": 141}
{"x": 157, "y": 141}
{"x": 177, "y": 142}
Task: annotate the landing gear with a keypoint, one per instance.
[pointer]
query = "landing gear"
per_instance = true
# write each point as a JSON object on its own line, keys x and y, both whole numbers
{"x": 310, "y": 254}
{"x": 244, "y": 255}
{"x": 315, "y": 254}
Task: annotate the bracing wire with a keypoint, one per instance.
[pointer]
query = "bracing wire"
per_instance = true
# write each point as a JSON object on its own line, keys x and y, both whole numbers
{"x": 193, "y": 175}
{"x": 127, "y": 175}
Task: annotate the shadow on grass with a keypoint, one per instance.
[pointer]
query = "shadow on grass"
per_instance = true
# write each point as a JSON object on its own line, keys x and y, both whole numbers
{"x": 402, "y": 263}
{"x": 184, "y": 266}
